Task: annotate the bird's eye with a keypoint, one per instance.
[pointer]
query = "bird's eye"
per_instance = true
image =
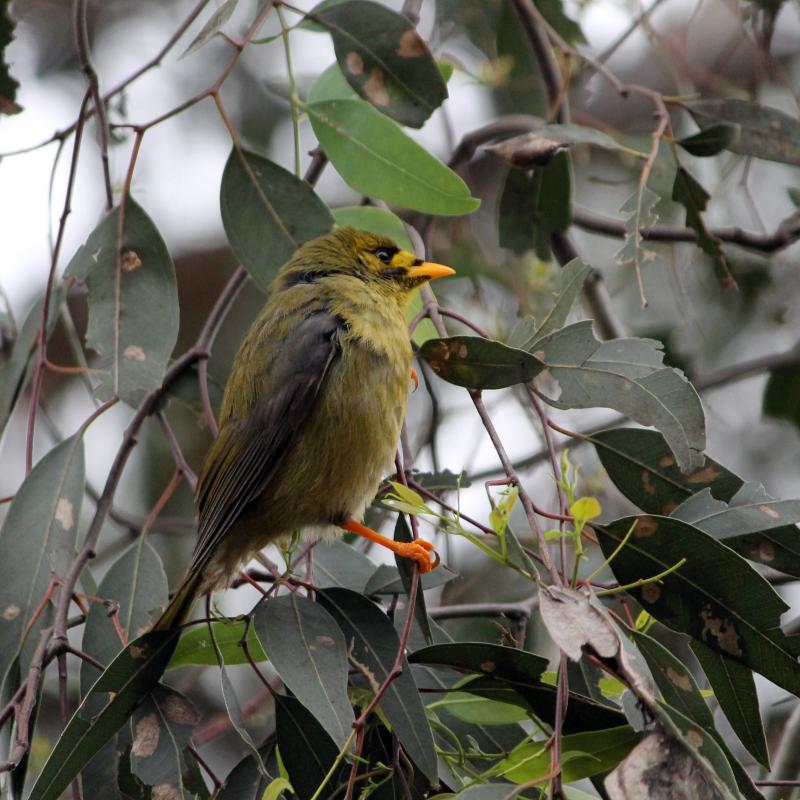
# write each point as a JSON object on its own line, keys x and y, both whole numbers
{"x": 384, "y": 255}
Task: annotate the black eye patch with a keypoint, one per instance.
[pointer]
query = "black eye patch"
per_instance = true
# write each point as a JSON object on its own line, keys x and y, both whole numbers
{"x": 386, "y": 254}
{"x": 394, "y": 272}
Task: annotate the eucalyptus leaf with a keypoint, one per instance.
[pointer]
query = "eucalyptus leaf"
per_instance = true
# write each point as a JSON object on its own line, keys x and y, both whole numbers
{"x": 212, "y": 27}
{"x": 133, "y": 303}
{"x": 375, "y": 157}
{"x": 197, "y": 647}
{"x": 338, "y": 564}
{"x": 710, "y": 140}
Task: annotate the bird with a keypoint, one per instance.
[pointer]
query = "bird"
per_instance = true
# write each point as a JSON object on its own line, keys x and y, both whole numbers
{"x": 312, "y": 410}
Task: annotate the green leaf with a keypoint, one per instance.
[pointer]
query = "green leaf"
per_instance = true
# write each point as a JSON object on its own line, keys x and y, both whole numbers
{"x": 16, "y": 368}
{"x": 126, "y": 682}
{"x": 582, "y": 755}
{"x": 502, "y": 663}
{"x": 715, "y": 596}
{"x": 478, "y": 363}
{"x": 162, "y": 729}
{"x": 627, "y": 375}
{"x": 735, "y": 691}
{"x": 585, "y": 508}
{"x": 375, "y": 157}
{"x": 338, "y": 564}
{"x": 276, "y": 789}
{"x": 133, "y": 327}
{"x": 306, "y": 750}
{"x": 309, "y": 654}
{"x": 8, "y": 86}
{"x": 38, "y": 538}
{"x": 479, "y": 710}
{"x": 212, "y": 27}
{"x": 681, "y": 692}
{"x": 782, "y": 394}
{"x": 267, "y": 213}
{"x": 373, "y": 644}
{"x": 331, "y": 85}
{"x": 694, "y": 198}
{"x": 764, "y": 132}
{"x": 570, "y": 284}
{"x": 245, "y": 781}
{"x": 386, "y": 580}
{"x": 384, "y": 59}
{"x": 642, "y": 467}
{"x": 196, "y": 647}
{"x": 711, "y": 140}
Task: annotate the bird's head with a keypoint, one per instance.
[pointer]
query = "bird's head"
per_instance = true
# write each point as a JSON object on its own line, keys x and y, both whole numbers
{"x": 351, "y": 254}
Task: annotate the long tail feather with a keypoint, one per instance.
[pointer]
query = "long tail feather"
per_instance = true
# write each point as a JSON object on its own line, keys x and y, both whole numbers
{"x": 181, "y": 604}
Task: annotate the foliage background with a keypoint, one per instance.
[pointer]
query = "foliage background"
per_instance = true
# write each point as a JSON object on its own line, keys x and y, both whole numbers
{"x": 738, "y": 344}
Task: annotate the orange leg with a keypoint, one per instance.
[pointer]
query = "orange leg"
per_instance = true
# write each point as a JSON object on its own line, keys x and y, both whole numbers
{"x": 417, "y": 550}
{"x": 414, "y": 378}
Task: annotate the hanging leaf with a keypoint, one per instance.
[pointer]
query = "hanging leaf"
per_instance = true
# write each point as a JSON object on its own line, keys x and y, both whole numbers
{"x": 642, "y": 467}
{"x": 372, "y": 647}
{"x": 627, "y": 375}
{"x": 715, "y": 596}
{"x": 384, "y": 223}
{"x": 478, "y": 363}
{"x": 711, "y": 140}
{"x": 763, "y": 132}
{"x": 309, "y": 654}
{"x": 212, "y": 27}
{"x": 694, "y": 198}
{"x": 38, "y": 538}
{"x": 133, "y": 303}
{"x": 639, "y": 213}
{"x": 267, "y": 213}
{"x": 735, "y": 690}
{"x": 375, "y": 157}
{"x": 384, "y": 59}
{"x": 128, "y": 679}
{"x": 782, "y": 394}
{"x": 162, "y": 729}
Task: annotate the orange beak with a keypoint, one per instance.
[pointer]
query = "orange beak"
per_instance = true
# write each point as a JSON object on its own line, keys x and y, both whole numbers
{"x": 427, "y": 270}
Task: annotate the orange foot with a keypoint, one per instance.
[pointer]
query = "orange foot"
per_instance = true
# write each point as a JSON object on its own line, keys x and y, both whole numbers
{"x": 414, "y": 378}
{"x": 418, "y": 550}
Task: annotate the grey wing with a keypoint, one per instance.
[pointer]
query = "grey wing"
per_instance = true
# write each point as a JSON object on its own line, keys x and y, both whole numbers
{"x": 248, "y": 453}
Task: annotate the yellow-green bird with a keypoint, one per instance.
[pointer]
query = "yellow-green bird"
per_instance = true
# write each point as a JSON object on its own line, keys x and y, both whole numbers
{"x": 312, "y": 409}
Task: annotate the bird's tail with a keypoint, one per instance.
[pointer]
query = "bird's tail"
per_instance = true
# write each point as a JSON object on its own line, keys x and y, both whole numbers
{"x": 181, "y": 604}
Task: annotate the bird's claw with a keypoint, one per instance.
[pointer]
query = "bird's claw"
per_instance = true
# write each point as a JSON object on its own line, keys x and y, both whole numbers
{"x": 418, "y": 551}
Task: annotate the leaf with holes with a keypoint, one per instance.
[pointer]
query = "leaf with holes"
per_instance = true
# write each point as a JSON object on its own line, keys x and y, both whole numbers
{"x": 309, "y": 654}
{"x": 629, "y": 376}
{"x": 478, "y": 363}
{"x": 642, "y": 467}
{"x": 384, "y": 59}
{"x": 267, "y": 213}
{"x": 375, "y": 157}
{"x": 639, "y": 212}
{"x": 372, "y": 644}
{"x": 715, "y": 596}
{"x": 764, "y": 132}
{"x": 133, "y": 303}
{"x": 38, "y": 538}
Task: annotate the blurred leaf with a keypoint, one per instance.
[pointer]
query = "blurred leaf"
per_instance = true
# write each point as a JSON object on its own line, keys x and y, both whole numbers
{"x": 782, "y": 394}
{"x": 339, "y": 564}
{"x": 185, "y": 390}
{"x": 245, "y": 781}
{"x": 386, "y": 580}
{"x": 267, "y": 213}
{"x": 442, "y": 480}
{"x": 627, "y": 375}
{"x": 483, "y": 658}
{"x": 694, "y": 198}
{"x": 136, "y": 582}
{"x": 306, "y": 750}
{"x": 680, "y": 691}
{"x": 196, "y": 647}
{"x": 375, "y": 157}
{"x": 332, "y": 85}
{"x": 715, "y": 596}
{"x": 735, "y": 691}
{"x": 582, "y": 755}
{"x": 38, "y": 538}
{"x": 16, "y": 368}
{"x": 212, "y": 27}
{"x": 133, "y": 327}
{"x": 309, "y": 654}
{"x": 372, "y": 648}
{"x": 711, "y": 140}
{"x": 384, "y": 223}
{"x": 162, "y": 729}
{"x": 8, "y": 86}
{"x": 478, "y": 363}
{"x": 764, "y": 132}
{"x": 126, "y": 682}
{"x": 480, "y": 711}
{"x": 642, "y": 467}
{"x": 384, "y": 59}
